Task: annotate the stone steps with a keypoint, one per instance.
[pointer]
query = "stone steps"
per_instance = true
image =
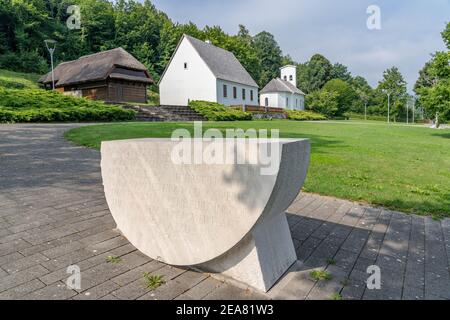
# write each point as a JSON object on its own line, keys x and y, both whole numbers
{"x": 165, "y": 113}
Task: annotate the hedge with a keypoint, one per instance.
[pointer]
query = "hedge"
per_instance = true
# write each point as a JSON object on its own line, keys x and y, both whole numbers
{"x": 218, "y": 112}
{"x": 35, "y": 105}
{"x": 299, "y": 115}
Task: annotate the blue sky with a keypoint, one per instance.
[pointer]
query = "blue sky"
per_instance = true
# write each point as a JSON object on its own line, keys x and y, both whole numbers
{"x": 410, "y": 30}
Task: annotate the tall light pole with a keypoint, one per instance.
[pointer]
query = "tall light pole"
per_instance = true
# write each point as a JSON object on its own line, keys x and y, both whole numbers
{"x": 407, "y": 111}
{"x": 51, "y": 47}
{"x": 389, "y": 104}
{"x": 414, "y": 109}
{"x": 365, "y": 110}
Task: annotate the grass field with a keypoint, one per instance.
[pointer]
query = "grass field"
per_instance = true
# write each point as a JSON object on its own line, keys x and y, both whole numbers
{"x": 18, "y": 80}
{"x": 401, "y": 167}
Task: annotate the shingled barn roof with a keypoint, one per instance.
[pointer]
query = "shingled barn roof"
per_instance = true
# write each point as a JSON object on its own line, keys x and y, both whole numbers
{"x": 96, "y": 67}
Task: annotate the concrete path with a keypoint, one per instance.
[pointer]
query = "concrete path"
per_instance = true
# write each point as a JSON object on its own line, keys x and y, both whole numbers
{"x": 53, "y": 215}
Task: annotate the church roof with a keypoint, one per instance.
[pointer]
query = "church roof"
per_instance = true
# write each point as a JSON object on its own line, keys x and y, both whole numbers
{"x": 279, "y": 85}
{"x": 223, "y": 64}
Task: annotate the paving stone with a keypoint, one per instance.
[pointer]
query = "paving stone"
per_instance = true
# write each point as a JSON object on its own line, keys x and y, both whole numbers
{"x": 21, "y": 290}
{"x": 175, "y": 287}
{"x": 98, "y": 292}
{"x": 21, "y": 277}
{"x": 307, "y": 248}
{"x": 383, "y": 294}
{"x": 24, "y": 263}
{"x": 356, "y": 240}
{"x": 413, "y": 293}
{"x": 345, "y": 259}
{"x": 14, "y": 246}
{"x": 56, "y": 291}
{"x": 202, "y": 289}
{"x": 137, "y": 273}
{"x": 132, "y": 290}
{"x": 229, "y": 292}
{"x": 9, "y": 258}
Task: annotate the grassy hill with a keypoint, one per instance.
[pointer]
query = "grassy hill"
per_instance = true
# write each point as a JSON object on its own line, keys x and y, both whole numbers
{"x": 21, "y": 100}
{"x": 18, "y": 80}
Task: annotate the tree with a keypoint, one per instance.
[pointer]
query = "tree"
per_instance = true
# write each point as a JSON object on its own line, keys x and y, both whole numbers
{"x": 446, "y": 35}
{"x": 425, "y": 78}
{"x": 269, "y": 56}
{"x": 339, "y": 71}
{"x": 313, "y": 75}
{"x": 344, "y": 93}
{"x": 364, "y": 93}
{"x": 433, "y": 85}
{"x": 394, "y": 84}
{"x": 324, "y": 102}
{"x": 436, "y": 98}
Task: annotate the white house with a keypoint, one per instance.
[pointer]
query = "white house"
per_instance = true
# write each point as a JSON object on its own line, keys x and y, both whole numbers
{"x": 283, "y": 92}
{"x": 199, "y": 70}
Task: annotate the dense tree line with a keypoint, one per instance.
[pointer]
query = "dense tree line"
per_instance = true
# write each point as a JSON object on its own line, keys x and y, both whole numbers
{"x": 151, "y": 36}
{"x": 433, "y": 85}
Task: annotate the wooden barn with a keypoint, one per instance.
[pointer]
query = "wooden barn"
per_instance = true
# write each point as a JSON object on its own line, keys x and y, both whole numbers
{"x": 113, "y": 76}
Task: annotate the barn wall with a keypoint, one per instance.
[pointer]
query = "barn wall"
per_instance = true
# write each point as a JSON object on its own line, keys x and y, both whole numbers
{"x": 126, "y": 91}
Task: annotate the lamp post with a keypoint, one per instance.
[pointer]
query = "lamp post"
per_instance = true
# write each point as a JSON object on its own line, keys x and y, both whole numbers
{"x": 407, "y": 111}
{"x": 51, "y": 46}
{"x": 365, "y": 110}
{"x": 389, "y": 104}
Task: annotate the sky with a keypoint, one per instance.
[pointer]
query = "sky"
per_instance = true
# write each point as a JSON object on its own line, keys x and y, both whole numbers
{"x": 409, "y": 34}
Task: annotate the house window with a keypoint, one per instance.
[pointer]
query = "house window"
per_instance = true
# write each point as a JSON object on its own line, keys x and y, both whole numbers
{"x": 243, "y": 94}
{"x": 267, "y": 102}
{"x": 251, "y": 95}
{"x": 291, "y": 78}
{"x": 287, "y": 102}
{"x": 234, "y": 92}
{"x": 185, "y": 66}
{"x": 225, "y": 91}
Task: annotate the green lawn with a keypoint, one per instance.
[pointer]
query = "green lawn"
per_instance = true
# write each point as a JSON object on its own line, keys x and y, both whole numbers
{"x": 18, "y": 80}
{"x": 401, "y": 167}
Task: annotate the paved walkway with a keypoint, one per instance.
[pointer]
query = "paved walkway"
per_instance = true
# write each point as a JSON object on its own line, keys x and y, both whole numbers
{"x": 53, "y": 214}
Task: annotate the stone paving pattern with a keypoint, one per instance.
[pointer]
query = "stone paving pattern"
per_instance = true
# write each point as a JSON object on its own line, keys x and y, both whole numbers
{"x": 53, "y": 214}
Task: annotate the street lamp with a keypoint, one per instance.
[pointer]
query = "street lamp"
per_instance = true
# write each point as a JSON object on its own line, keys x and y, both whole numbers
{"x": 51, "y": 47}
{"x": 407, "y": 111}
{"x": 389, "y": 104}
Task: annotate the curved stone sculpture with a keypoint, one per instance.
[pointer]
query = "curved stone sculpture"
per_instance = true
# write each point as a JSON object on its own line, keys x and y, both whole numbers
{"x": 223, "y": 218}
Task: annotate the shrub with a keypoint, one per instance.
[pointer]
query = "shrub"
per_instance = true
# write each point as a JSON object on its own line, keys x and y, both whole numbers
{"x": 324, "y": 102}
{"x": 218, "y": 112}
{"x": 357, "y": 116}
{"x": 299, "y": 115}
{"x": 35, "y": 105}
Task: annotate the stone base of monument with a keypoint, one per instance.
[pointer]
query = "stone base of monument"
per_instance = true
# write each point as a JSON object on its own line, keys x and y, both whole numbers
{"x": 261, "y": 258}
{"x": 225, "y": 218}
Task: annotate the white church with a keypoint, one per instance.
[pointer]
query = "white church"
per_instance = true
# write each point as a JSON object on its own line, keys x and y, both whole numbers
{"x": 199, "y": 70}
{"x": 283, "y": 92}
